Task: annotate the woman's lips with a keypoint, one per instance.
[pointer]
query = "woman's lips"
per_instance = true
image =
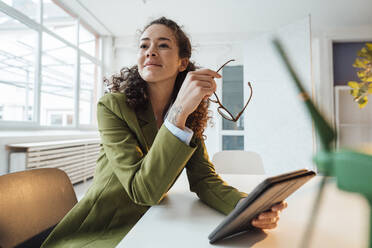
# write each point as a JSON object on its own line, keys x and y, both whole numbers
{"x": 151, "y": 65}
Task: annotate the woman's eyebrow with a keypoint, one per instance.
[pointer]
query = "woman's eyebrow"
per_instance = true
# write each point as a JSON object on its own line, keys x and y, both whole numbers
{"x": 160, "y": 38}
{"x": 164, "y": 38}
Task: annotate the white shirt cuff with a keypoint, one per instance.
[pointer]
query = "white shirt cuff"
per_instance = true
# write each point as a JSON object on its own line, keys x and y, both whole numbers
{"x": 183, "y": 135}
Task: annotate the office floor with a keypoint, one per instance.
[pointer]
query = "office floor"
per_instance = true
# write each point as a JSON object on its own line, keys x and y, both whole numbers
{"x": 81, "y": 188}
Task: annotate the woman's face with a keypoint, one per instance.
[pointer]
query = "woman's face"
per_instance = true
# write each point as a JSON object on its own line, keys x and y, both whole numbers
{"x": 157, "y": 57}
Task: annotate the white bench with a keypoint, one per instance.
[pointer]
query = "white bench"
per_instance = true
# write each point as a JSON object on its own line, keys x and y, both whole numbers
{"x": 76, "y": 157}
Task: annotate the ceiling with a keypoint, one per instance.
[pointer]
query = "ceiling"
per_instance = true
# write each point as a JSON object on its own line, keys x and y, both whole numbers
{"x": 121, "y": 18}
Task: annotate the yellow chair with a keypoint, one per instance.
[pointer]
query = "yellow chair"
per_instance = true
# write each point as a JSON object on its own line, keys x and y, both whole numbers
{"x": 32, "y": 202}
{"x": 238, "y": 162}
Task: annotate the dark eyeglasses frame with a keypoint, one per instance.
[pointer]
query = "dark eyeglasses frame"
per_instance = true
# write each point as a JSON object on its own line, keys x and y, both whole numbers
{"x": 230, "y": 116}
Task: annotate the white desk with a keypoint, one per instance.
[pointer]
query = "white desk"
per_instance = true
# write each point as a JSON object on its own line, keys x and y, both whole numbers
{"x": 182, "y": 220}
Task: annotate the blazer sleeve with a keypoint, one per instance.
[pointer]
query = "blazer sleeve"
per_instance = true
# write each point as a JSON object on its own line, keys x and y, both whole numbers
{"x": 209, "y": 187}
{"x": 145, "y": 177}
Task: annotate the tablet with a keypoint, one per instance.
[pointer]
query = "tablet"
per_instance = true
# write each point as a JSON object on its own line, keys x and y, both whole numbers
{"x": 271, "y": 191}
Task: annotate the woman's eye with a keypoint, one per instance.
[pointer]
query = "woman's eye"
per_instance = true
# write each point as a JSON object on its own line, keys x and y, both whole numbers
{"x": 163, "y": 45}
{"x": 143, "y": 46}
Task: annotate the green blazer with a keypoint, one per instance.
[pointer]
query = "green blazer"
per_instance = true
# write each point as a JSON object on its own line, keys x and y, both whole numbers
{"x": 136, "y": 167}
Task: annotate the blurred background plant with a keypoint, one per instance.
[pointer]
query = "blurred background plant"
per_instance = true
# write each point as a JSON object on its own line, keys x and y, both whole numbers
{"x": 361, "y": 90}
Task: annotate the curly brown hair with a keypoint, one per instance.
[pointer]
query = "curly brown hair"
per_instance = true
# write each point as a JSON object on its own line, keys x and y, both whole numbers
{"x": 129, "y": 82}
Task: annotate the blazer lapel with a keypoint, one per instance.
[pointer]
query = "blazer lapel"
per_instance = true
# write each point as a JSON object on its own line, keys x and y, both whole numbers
{"x": 147, "y": 122}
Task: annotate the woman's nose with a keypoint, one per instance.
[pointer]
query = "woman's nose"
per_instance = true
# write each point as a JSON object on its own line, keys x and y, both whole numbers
{"x": 151, "y": 52}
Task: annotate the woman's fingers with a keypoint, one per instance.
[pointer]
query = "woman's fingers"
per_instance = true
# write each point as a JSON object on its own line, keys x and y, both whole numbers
{"x": 280, "y": 206}
{"x": 266, "y": 226}
{"x": 269, "y": 219}
{"x": 265, "y": 223}
{"x": 204, "y": 84}
{"x": 197, "y": 86}
{"x": 207, "y": 72}
{"x": 201, "y": 77}
{"x": 268, "y": 215}
{"x": 202, "y": 80}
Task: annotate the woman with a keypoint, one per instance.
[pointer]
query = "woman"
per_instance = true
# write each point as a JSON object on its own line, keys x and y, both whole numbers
{"x": 151, "y": 127}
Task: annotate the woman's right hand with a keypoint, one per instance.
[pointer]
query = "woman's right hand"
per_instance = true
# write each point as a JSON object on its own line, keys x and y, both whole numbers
{"x": 198, "y": 85}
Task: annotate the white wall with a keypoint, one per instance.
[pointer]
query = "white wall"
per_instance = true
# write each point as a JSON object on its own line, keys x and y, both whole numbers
{"x": 279, "y": 127}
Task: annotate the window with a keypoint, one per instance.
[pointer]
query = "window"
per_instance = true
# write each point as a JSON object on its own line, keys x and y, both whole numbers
{"x": 55, "y": 119}
{"x": 230, "y": 142}
{"x": 233, "y": 96}
{"x": 64, "y": 86}
{"x": 1, "y": 112}
{"x": 60, "y": 117}
{"x": 233, "y": 100}
{"x": 59, "y": 22}
{"x": 17, "y": 69}
{"x": 88, "y": 42}
{"x": 58, "y": 78}
{"x": 88, "y": 83}
{"x": 27, "y": 7}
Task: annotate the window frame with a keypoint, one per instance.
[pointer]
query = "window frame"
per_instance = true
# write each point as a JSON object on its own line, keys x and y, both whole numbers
{"x": 38, "y": 26}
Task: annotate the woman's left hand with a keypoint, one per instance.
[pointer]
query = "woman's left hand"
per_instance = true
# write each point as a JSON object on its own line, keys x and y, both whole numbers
{"x": 269, "y": 219}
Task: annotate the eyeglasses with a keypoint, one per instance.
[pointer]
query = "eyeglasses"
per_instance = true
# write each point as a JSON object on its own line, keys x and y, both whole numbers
{"x": 222, "y": 110}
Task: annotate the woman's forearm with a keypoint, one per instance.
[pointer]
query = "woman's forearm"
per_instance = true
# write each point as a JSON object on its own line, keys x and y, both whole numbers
{"x": 177, "y": 116}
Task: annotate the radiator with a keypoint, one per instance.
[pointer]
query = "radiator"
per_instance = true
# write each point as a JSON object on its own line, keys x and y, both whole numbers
{"x": 76, "y": 157}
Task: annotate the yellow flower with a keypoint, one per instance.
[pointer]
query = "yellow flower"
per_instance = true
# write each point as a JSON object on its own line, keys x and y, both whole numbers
{"x": 353, "y": 84}
{"x": 355, "y": 88}
{"x": 360, "y": 91}
{"x": 369, "y": 46}
{"x": 362, "y": 102}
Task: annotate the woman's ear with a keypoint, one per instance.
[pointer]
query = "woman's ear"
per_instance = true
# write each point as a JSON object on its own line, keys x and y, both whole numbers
{"x": 184, "y": 64}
